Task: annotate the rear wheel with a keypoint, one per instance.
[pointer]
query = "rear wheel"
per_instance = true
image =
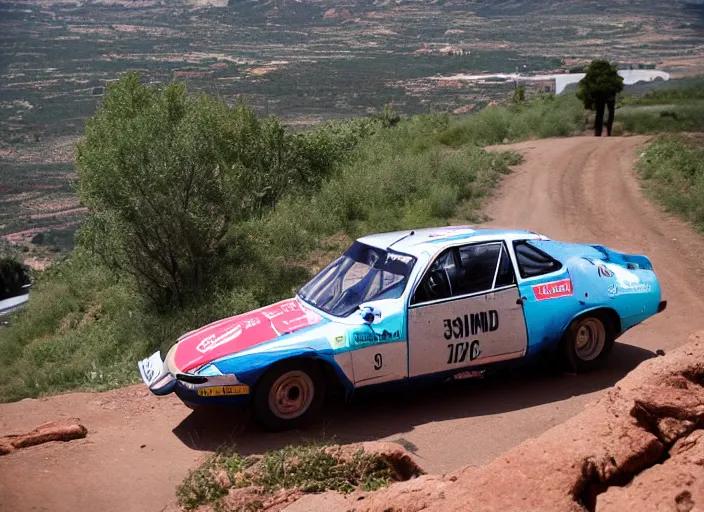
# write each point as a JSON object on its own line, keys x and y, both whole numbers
{"x": 289, "y": 395}
{"x": 587, "y": 342}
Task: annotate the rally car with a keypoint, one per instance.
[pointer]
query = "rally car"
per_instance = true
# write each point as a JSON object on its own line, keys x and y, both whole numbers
{"x": 446, "y": 302}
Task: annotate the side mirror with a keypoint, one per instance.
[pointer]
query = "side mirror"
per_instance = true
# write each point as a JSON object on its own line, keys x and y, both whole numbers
{"x": 368, "y": 314}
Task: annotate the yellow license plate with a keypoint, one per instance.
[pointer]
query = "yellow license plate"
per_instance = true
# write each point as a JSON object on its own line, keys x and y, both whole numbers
{"x": 224, "y": 390}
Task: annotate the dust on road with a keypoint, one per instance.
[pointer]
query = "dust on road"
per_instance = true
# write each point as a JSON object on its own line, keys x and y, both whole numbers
{"x": 139, "y": 447}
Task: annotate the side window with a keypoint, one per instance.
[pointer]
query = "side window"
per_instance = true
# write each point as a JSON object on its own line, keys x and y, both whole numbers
{"x": 505, "y": 275}
{"x": 461, "y": 271}
{"x": 533, "y": 262}
{"x": 436, "y": 282}
{"x": 478, "y": 268}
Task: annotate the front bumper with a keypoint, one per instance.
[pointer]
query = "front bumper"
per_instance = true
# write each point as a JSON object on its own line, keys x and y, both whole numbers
{"x": 156, "y": 374}
{"x": 162, "y": 378}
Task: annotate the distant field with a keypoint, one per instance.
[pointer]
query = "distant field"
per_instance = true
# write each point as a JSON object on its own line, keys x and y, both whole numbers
{"x": 309, "y": 60}
{"x": 303, "y": 61}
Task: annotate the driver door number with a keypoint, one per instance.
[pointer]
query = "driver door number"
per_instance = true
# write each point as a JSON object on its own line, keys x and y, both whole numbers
{"x": 471, "y": 324}
{"x": 459, "y": 352}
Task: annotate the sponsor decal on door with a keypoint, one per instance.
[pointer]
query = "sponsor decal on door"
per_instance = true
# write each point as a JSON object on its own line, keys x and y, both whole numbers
{"x": 553, "y": 290}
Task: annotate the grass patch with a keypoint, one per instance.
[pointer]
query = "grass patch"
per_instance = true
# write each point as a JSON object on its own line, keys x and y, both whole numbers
{"x": 662, "y": 118}
{"x": 306, "y": 468}
{"x": 398, "y": 180}
{"x": 674, "y": 106}
{"x": 84, "y": 329}
{"x": 672, "y": 169}
{"x": 556, "y": 116}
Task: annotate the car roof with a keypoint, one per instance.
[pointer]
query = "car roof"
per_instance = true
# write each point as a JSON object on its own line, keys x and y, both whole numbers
{"x": 414, "y": 242}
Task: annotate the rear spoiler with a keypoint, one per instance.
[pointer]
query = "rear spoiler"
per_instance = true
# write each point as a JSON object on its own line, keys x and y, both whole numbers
{"x": 630, "y": 261}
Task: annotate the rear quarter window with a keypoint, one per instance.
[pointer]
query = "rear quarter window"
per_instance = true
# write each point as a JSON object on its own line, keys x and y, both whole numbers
{"x": 533, "y": 262}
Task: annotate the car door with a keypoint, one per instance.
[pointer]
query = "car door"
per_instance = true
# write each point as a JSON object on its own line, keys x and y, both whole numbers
{"x": 380, "y": 351}
{"x": 547, "y": 294}
{"x": 465, "y": 311}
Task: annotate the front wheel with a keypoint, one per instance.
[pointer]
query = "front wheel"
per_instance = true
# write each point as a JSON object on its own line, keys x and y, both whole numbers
{"x": 587, "y": 342}
{"x": 289, "y": 395}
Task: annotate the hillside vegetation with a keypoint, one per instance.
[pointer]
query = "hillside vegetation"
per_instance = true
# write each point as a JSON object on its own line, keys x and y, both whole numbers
{"x": 94, "y": 314}
{"x": 672, "y": 169}
{"x": 674, "y": 107}
{"x": 306, "y": 468}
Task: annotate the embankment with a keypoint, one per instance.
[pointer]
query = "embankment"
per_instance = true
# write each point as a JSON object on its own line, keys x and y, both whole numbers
{"x": 639, "y": 447}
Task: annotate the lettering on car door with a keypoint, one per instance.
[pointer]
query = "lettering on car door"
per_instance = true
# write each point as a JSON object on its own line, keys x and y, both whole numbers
{"x": 464, "y": 311}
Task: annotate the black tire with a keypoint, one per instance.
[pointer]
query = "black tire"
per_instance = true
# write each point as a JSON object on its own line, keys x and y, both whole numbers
{"x": 300, "y": 388}
{"x": 587, "y": 342}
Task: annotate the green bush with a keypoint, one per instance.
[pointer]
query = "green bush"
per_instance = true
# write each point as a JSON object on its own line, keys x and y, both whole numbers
{"x": 600, "y": 84}
{"x": 165, "y": 175}
{"x": 672, "y": 168}
{"x": 396, "y": 181}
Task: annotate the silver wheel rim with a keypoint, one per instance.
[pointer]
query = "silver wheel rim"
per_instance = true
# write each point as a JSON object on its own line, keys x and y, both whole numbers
{"x": 291, "y": 395}
{"x": 590, "y": 339}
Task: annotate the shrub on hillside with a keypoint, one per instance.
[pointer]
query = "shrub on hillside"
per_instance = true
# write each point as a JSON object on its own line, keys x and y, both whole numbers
{"x": 165, "y": 174}
{"x": 401, "y": 178}
{"x": 601, "y": 84}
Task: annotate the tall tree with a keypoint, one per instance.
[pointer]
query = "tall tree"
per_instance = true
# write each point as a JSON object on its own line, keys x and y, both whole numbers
{"x": 164, "y": 174}
{"x": 598, "y": 89}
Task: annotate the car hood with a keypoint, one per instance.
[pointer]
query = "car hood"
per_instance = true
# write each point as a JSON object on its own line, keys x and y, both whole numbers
{"x": 231, "y": 335}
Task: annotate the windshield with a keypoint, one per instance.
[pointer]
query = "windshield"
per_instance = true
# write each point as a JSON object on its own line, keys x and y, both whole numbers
{"x": 362, "y": 274}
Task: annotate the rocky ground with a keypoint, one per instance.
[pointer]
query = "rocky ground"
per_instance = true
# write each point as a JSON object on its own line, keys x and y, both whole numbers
{"x": 639, "y": 447}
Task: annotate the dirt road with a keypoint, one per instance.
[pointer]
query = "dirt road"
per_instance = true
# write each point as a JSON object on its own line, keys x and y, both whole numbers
{"x": 139, "y": 447}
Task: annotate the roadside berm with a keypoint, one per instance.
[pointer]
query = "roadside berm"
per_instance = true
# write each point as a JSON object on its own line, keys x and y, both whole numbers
{"x": 640, "y": 447}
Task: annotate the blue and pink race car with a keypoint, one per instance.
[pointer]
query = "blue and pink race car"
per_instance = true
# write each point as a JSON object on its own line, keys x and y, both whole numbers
{"x": 444, "y": 302}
